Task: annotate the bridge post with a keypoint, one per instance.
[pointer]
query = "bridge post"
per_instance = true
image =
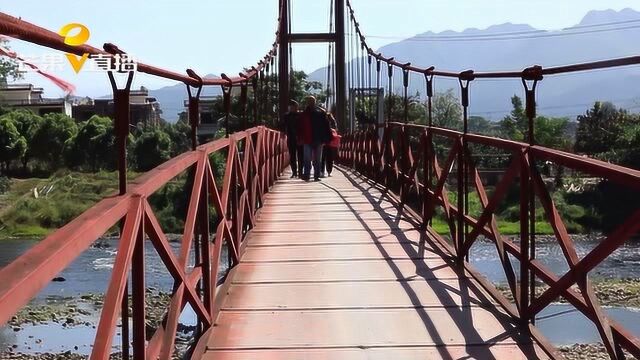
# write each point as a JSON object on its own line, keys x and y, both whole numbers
{"x": 530, "y": 78}
{"x": 286, "y": 38}
{"x": 121, "y": 122}
{"x": 194, "y": 109}
{"x": 194, "y": 122}
{"x": 340, "y": 66}
{"x": 464, "y": 79}
{"x": 243, "y": 104}
{"x": 283, "y": 60}
{"x": 254, "y": 87}
{"x": 138, "y": 292}
{"x": 226, "y": 96}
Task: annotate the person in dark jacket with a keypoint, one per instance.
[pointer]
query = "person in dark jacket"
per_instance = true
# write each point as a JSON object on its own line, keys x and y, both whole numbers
{"x": 289, "y": 125}
{"x": 314, "y": 133}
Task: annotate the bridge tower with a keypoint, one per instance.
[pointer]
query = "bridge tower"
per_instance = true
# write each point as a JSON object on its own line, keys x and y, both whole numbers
{"x": 337, "y": 37}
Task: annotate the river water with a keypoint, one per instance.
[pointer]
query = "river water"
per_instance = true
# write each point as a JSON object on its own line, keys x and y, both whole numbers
{"x": 90, "y": 273}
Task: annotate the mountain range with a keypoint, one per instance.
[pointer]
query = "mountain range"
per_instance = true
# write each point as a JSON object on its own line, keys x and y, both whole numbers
{"x": 171, "y": 98}
{"x": 600, "y": 35}
{"x": 524, "y": 46}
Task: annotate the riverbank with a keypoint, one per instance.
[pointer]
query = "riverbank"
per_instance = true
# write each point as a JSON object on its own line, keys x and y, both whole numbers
{"x": 35, "y": 207}
{"x": 587, "y": 352}
{"x": 81, "y": 313}
{"x": 83, "y": 310}
{"x": 504, "y": 227}
{"x": 68, "y": 355}
{"x": 610, "y": 292}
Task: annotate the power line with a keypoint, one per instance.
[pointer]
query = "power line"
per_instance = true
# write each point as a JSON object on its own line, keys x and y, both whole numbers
{"x": 504, "y": 36}
{"x": 527, "y": 32}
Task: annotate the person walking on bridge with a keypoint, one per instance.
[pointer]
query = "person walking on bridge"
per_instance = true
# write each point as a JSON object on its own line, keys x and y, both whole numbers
{"x": 289, "y": 126}
{"x": 330, "y": 150}
{"x": 314, "y": 132}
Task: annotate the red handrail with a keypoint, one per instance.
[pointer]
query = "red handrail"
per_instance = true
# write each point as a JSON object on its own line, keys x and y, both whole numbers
{"x": 24, "y": 30}
{"x": 394, "y": 161}
{"x": 245, "y": 182}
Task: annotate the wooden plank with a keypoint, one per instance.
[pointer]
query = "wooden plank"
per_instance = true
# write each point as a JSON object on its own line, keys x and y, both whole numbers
{"x": 387, "y": 209}
{"x": 351, "y": 295}
{"x": 333, "y": 226}
{"x": 489, "y": 351}
{"x": 327, "y": 237}
{"x": 334, "y": 271}
{"x": 359, "y": 328}
{"x": 266, "y": 217}
{"x": 363, "y": 251}
{"x": 366, "y": 270}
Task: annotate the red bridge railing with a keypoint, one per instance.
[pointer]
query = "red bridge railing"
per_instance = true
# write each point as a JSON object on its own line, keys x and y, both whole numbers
{"x": 413, "y": 171}
{"x": 254, "y": 159}
{"x": 404, "y": 160}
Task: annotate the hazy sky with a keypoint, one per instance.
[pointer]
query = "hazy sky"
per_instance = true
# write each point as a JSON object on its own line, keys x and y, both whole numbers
{"x": 217, "y": 36}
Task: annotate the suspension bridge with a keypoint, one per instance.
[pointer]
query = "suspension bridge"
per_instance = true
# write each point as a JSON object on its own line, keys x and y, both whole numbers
{"x": 347, "y": 268}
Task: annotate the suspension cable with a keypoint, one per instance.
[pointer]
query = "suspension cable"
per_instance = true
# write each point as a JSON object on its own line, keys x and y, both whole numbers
{"x": 329, "y": 58}
{"x": 291, "y": 72}
{"x": 351, "y": 72}
{"x": 378, "y": 75}
{"x": 390, "y": 95}
{"x": 369, "y": 103}
{"x": 405, "y": 83}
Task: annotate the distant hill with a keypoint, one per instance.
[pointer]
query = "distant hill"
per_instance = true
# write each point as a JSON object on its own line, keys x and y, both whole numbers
{"x": 561, "y": 95}
{"x": 172, "y": 98}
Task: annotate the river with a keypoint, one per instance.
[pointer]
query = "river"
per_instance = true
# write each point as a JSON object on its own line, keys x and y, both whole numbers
{"x": 91, "y": 271}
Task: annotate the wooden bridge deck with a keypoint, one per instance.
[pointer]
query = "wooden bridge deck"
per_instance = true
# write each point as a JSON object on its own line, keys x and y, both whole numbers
{"x": 332, "y": 271}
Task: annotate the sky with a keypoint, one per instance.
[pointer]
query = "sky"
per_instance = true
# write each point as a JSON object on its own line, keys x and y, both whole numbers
{"x": 217, "y": 36}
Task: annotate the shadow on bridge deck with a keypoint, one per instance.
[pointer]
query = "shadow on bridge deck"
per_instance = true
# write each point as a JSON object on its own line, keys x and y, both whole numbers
{"x": 334, "y": 271}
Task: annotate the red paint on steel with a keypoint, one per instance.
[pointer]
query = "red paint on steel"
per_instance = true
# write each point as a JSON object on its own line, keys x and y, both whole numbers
{"x": 284, "y": 296}
{"x": 354, "y": 152}
{"x": 27, "y": 275}
{"x": 23, "y": 30}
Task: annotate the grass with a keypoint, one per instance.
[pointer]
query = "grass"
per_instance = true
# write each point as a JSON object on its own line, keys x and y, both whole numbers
{"x": 504, "y": 227}
{"x": 61, "y": 198}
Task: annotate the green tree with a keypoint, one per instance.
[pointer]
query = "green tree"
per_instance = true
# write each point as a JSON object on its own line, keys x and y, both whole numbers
{"x": 151, "y": 149}
{"x": 600, "y": 128}
{"x": 12, "y": 145}
{"x": 180, "y": 134}
{"x": 629, "y": 145}
{"x": 8, "y": 66}
{"x": 623, "y": 149}
{"x": 447, "y": 110}
{"x": 303, "y": 87}
{"x": 552, "y": 132}
{"x": 416, "y": 112}
{"x": 268, "y": 102}
{"x": 515, "y": 125}
{"x": 93, "y": 146}
{"x": 27, "y": 123}
{"x": 480, "y": 125}
{"x": 548, "y": 131}
{"x": 51, "y": 138}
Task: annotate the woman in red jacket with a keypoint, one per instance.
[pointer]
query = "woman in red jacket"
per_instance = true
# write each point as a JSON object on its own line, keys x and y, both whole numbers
{"x": 330, "y": 150}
